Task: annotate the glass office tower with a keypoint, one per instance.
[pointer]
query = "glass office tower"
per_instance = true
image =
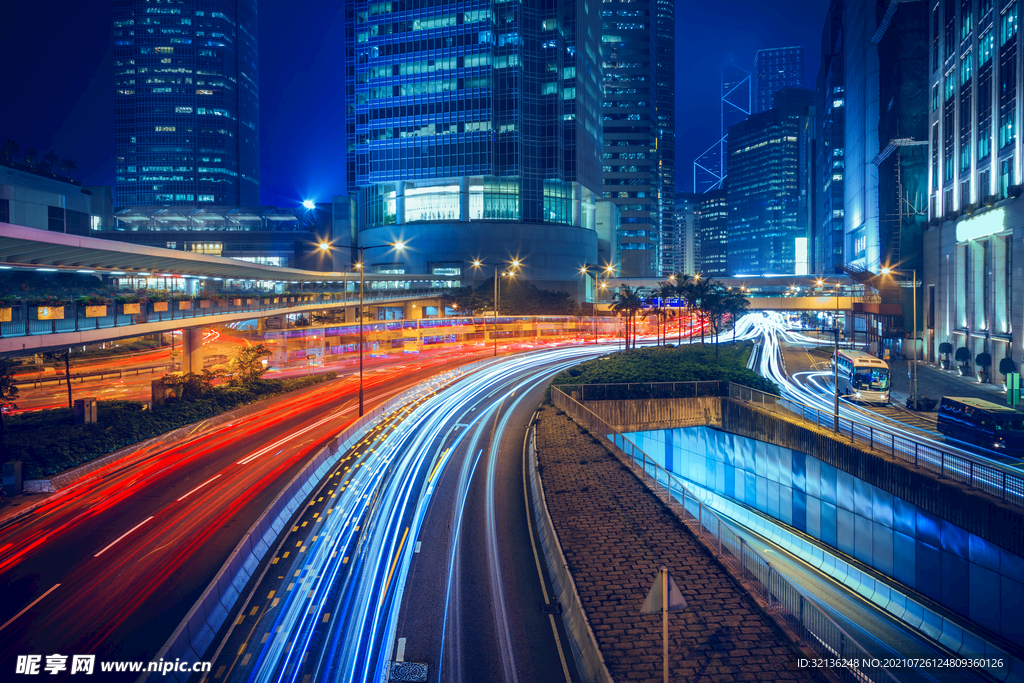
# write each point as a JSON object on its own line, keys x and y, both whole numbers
{"x": 474, "y": 132}
{"x": 638, "y": 52}
{"x": 186, "y": 103}
{"x": 774, "y": 69}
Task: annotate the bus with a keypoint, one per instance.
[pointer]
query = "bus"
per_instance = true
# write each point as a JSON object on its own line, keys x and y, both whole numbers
{"x": 982, "y": 423}
{"x": 862, "y": 377}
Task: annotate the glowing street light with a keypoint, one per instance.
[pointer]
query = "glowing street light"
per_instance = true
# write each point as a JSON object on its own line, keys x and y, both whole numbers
{"x": 515, "y": 263}
{"x": 308, "y": 204}
{"x": 398, "y": 246}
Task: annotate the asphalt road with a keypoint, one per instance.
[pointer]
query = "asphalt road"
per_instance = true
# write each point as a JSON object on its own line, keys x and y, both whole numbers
{"x": 422, "y": 555}
{"x": 111, "y": 565}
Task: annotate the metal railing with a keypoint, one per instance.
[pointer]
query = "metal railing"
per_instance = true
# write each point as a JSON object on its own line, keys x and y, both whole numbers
{"x": 974, "y": 473}
{"x": 998, "y": 482}
{"x": 22, "y": 324}
{"x": 811, "y": 624}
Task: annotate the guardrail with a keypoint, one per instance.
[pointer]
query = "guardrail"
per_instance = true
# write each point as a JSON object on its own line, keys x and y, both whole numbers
{"x": 198, "y": 630}
{"x": 811, "y": 624}
{"x": 1001, "y": 483}
{"x": 81, "y": 377}
{"x": 589, "y": 661}
{"x": 22, "y": 324}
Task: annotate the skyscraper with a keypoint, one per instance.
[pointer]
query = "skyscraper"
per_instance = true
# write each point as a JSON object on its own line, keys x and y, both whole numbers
{"x": 712, "y": 233}
{"x": 774, "y": 69}
{"x": 683, "y": 251}
{"x": 639, "y": 145}
{"x": 768, "y": 183}
{"x": 186, "y": 103}
{"x": 830, "y": 165}
{"x": 474, "y": 132}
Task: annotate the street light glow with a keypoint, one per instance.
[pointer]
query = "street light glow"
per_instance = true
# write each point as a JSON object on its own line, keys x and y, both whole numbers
{"x": 308, "y": 204}
{"x": 324, "y": 246}
{"x": 886, "y": 270}
{"x": 399, "y": 246}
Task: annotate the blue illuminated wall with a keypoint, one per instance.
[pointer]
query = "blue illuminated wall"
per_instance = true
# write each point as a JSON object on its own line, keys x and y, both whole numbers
{"x": 938, "y": 559}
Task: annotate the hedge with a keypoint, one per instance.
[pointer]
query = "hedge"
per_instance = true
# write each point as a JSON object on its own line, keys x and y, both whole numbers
{"x": 687, "y": 363}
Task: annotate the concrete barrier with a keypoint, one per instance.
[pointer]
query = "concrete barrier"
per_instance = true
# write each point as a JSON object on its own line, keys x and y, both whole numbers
{"x": 582, "y": 642}
{"x": 197, "y": 631}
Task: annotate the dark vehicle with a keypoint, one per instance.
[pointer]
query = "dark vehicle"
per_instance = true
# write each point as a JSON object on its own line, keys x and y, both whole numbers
{"x": 982, "y": 423}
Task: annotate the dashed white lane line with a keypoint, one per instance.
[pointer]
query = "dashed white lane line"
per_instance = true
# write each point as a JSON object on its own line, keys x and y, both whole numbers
{"x": 198, "y": 487}
{"x": 123, "y": 535}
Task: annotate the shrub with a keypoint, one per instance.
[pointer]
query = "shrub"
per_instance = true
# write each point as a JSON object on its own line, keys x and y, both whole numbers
{"x": 963, "y": 355}
{"x": 983, "y": 359}
{"x": 945, "y": 348}
{"x": 1007, "y": 365}
{"x": 47, "y": 441}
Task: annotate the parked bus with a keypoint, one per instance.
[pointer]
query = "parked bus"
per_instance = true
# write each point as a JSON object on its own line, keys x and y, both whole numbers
{"x": 982, "y": 423}
{"x": 862, "y": 377}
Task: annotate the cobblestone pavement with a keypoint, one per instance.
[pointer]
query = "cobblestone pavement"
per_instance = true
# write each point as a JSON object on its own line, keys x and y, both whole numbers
{"x": 615, "y": 534}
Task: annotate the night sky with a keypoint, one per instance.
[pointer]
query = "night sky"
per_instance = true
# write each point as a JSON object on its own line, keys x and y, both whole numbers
{"x": 58, "y": 83}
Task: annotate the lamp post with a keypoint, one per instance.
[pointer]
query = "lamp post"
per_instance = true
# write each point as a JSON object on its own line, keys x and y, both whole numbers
{"x": 514, "y": 264}
{"x": 913, "y": 295}
{"x": 397, "y": 246}
{"x": 585, "y": 270}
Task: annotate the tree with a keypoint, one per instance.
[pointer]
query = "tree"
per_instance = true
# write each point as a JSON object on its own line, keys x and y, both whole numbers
{"x": 30, "y": 157}
{"x": 248, "y": 362}
{"x": 186, "y": 386}
{"x": 68, "y": 166}
{"x": 61, "y": 360}
{"x": 9, "y": 149}
{"x": 737, "y": 305}
{"x": 49, "y": 161}
{"x": 679, "y": 292}
{"x": 8, "y": 391}
{"x": 465, "y": 300}
{"x": 628, "y": 301}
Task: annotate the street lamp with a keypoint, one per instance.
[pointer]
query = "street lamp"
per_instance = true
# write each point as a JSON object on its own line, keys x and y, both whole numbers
{"x": 515, "y": 263}
{"x": 585, "y": 270}
{"x": 835, "y": 361}
{"x": 397, "y": 246}
{"x": 308, "y": 204}
{"x": 913, "y": 292}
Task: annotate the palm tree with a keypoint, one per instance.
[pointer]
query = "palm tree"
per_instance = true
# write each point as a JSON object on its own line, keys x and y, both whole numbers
{"x": 679, "y": 293}
{"x": 628, "y": 301}
{"x": 737, "y": 305}
{"x": 653, "y": 309}
{"x": 665, "y": 292}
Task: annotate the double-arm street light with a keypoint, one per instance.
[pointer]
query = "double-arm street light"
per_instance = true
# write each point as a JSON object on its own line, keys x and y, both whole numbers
{"x": 592, "y": 269}
{"x": 913, "y": 291}
{"x": 397, "y": 246}
{"x": 513, "y": 264}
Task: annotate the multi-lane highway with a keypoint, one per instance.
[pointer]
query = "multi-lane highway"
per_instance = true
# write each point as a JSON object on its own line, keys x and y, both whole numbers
{"x": 416, "y": 550}
{"x": 110, "y": 565}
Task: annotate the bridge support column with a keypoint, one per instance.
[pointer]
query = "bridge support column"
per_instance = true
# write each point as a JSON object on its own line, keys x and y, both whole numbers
{"x": 192, "y": 350}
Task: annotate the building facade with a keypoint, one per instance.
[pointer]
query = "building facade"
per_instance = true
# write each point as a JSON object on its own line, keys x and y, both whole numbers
{"x": 973, "y": 286}
{"x": 683, "y": 249}
{"x": 44, "y": 201}
{"x": 637, "y": 52}
{"x": 474, "y": 133}
{"x": 713, "y": 234}
{"x": 186, "y": 103}
{"x": 830, "y": 162}
{"x": 774, "y": 69}
{"x": 769, "y": 159}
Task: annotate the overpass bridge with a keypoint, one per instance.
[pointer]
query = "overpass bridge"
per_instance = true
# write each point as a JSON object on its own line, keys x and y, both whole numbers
{"x": 236, "y": 291}
{"x": 793, "y": 293}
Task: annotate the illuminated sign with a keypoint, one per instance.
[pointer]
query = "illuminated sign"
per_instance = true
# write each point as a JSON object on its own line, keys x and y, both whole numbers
{"x": 984, "y": 225}
{"x": 801, "y": 256}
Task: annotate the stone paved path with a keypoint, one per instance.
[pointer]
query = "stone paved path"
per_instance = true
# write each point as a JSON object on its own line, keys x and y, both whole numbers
{"x": 615, "y": 534}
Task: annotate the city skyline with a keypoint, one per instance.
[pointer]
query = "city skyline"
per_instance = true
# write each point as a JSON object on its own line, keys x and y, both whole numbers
{"x": 72, "y": 111}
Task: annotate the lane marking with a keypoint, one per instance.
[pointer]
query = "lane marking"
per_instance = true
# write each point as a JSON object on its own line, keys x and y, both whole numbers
{"x": 398, "y": 553}
{"x": 198, "y": 487}
{"x": 30, "y": 606}
{"x": 123, "y": 535}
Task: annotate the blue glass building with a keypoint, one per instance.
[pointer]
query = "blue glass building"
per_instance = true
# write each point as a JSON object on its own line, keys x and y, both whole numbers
{"x": 186, "y": 103}
{"x": 474, "y": 132}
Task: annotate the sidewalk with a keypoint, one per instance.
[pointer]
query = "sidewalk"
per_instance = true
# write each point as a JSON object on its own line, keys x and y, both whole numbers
{"x": 615, "y": 534}
{"x": 934, "y": 382}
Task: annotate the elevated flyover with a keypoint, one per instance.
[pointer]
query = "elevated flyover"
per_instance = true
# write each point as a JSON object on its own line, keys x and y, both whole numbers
{"x": 246, "y": 290}
{"x": 768, "y": 293}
